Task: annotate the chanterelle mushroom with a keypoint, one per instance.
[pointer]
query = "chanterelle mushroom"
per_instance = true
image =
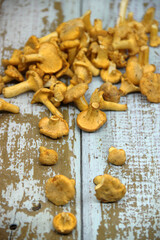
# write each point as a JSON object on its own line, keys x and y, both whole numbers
{"x": 154, "y": 38}
{"x": 150, "y": 86}
{"x": 91, "y": 119}
{"x": 5, "y": 106}
{"x": 12, "y": 74}
{"x": 54, "y": 127}
{"x": 48, "y": 156}
{"x": 111, "y": 75}
{"x": 110, "y": 189}
{"x": 43, "y": 95}
{"x": 33, "y": 83}
{"x": 116, "y": 156}
{"x": 111, "y": 92}
{"x": 64, "y": 222}
{"x": 60, "y": 189}
{"x": 127, "y": 87}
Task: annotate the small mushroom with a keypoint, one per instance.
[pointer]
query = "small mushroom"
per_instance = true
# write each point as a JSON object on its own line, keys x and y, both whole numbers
{"x": 47, "y": 37}
{"x": 148, "y": 19}
{"x": 32, "y": 45}
{"x": 59, "y": 89}
{"x": 154, "y": 38}
{"x": 69, "y": 44}
{"x": 111, "y": 75}
{"x": 54, "y": 127}
{"x": 143, "y": 59}
{"x": 127, "y": 87}
{"x": 111, "y": 92}
{"x": 82, "y": 71}
{"x": 134, "y": 70}
{"x": 64, "y": 222}
{"x": 60, "y": 189}
{"x": 47, "y": 156}
{"x": 14, "y": 60}
{"x": 47, "y": 58}
{"x": 101, "y": 58}
{"x": 43, "y": 95}
{"x": 110, "y": 189}
{"x": 118, "y": 57}
{"x": 150, "y": 86}
{"x": 8, "y": 107}
{"x": 91, "y": 119}
{"x": 76, "y": 94}
{"x": 12, "y": 74}
{"x": 33, "y": 83}
{"x": 116, "y": 156}
{"x": 97, "y": 180}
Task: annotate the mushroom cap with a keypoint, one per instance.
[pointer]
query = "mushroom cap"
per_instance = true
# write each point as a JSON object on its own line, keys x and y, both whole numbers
{"x": 97, "y": 180}
{"x": 42, "y": 93}
{"x": 91, "y": 119}
{"x": 150, "y": 86}
{"x": 12, "y": 72}
{"x": 52, "y": 62}
{"x": 82, "y": 72}
{"x": 33, "y": 42}
{"x": 116, "y": 156}
{"x": 75, "y": 92}
{"x": 127, "y": 87}
{"x": 60, "y": 189}
{"x": 113, "y": 77}
{"x": 111, "y": 92}
{"x": 134, "y": 70}
{"x": 64, "y": 222}
{"x": 35, "y": 80}
{"x": 47, "y": 156}
{"x": 110, "y": 189}
{"x": 54, "y": 127}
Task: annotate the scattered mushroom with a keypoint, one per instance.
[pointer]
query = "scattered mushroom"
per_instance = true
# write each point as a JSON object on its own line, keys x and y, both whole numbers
{"x": 154, "y": 38}
{"x": 60, "y": 189}
{"x": 116, "y": 156}
{"x": 111, "y": 75}
{"x": 12, "y": 74}
{"x": 110, "y": 92}
{"x": 48, "y": 156}
{"x": 127, "y": 87}
{"x": 148, "y": 19}
{"x": 8, "y": 107}
{"x": 97, "y": 180}
{"x": 110, "y": 189}
{"x": 54, "y": 127}
{"x": 64, "y": 222}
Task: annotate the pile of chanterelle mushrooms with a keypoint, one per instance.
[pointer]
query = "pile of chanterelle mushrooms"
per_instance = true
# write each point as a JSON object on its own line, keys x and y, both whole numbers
{"x": 81, "y": 51}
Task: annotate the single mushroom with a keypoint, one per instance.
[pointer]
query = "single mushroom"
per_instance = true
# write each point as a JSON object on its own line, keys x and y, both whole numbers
{"x": 48, "y": 58}
{"x": 60, "y": 189}
{"x": 47, "y": 37}
{"x": 12, "y": 74}
{"x": 69, "y": 44}
{"x": 64, "y": 222}
{"x": 91, "y": 119}
{"x": 116, "y": 156}
{"x": 150, "y": 86}
{"x": 82, "y": 71}
{"x": 33, "y": 83}
{"x": 76, "y": 94}
{"x": 101, "y": 58}
{"x": 59, "y": 89}
{"x": 143, "y": 60}
{"x": 154, "y": 38}
{"x": 48, "y": 156}
{"x": 148, "y": 19}
{"x": 127, "y": 87}
{"x": 8, "y": 107}
{"x": 14, "y": 60}
{"x": 54, "y": 127}
{"x": 111, "y": 92}
{"x": 111, "y": 75}
{"x": 43, "y": 95}
{"x": 110, "y": 189}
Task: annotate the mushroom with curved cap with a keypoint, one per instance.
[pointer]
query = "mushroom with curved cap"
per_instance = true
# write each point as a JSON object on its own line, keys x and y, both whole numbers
{"x": 32, "y": 45}
{"x": 36, "y": 69}
{"x": 76, "y": 94}
{"x": 97, "y": 96}
{"x": 91, "y": 119}
{"x": 111, "y": 92}
{"x": 64, "y": 222}
{"x": 101, "y": 58}
{"x": 110, "y": 189}
{"x": 54, "y": 127}
{"x": 47, "y": 58}
{"x": 154, "y": 38}
{"x": 5, "y": 106}
{"x": 82, "y": 71}
{"x": 69, "y": 44}
{"x": 116, "y": 156}
{"x": 14, "y": 60}
{"x": 59, "y": 89}
{"x": 47, "y": 37}
{"x": 118, "y": 57}
{"x": 111, "y": 75}
{"x": 97, "y": 179}
{"x": 127, "y": 87}
{"x": 48, "y": 156}
{"x": 60, "y": 189}
{"x": 150, "y": 86}
{"x": 33, "y": 83}
{"x": 12, "y": 74}
{"x": 43, "y": 95}
{"x": 148, "y": 19}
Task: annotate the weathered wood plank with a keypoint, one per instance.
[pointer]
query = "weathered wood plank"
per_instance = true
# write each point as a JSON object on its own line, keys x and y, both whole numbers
{"x": 137, "y": 131}
{"x": 22, "y": 177}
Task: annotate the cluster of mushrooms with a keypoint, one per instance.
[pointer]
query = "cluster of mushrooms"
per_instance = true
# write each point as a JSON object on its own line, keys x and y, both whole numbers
{"x": 80, "y": 50}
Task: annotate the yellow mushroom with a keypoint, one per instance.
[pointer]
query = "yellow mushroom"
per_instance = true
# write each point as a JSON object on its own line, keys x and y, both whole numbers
{"x": 54, "y": 127}
{"x": 69, "y": 44}
{"x": 116, "y": 156}
{"x": 33, "y": 83}
{"x": 47, "y": 37}
{"x": 127, "y": 87}
{"x": 91, "y": 119}
{"x": 154, "y": 38}
{"x": 48, "y": 156}
{"x": 43, "y": 95}
{"x": 59, "y": 89}
{"x": 8, "y": 107}
{"x": 64, "y": 222}
{"x": 111, "y": 75}
{"x": 110, "y": 189}
{"x": 111, "y": 92}
{"x": 97, "y": 180}
{"x": 14, "y": 60}
{"x": 12, "y": 74}
{"x": 60, "y": 189}
{"x": 148, "y": 19}
{"x": 82, "y": 71}
{"x": 1, "y": 84}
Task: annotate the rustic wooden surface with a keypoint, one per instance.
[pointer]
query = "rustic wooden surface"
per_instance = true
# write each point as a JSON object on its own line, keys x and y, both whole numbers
{"x": 82, "y": 156}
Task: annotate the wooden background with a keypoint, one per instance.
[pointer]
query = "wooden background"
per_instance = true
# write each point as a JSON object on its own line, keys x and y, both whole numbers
{"x": 82, "y": 156}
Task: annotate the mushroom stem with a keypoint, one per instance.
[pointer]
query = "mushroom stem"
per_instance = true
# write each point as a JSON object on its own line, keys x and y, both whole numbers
{"x": 93, "y": 110}
{"x": 112, "y": 68}
{"x": 32, "y": 58}
{"x": 5, "y": 106}
{"x": 130, "y": 17}
{"x": 124, "y": 44}
{"x": 113, "y": 106}
{"x": 122, "y": 12}
{"x": 17, "y": 89}
{"x": 81, "y": 103}
{"x": 154, "y": 38}
{"x": 143, "y": 58}
{"x": 51, "y": 107}
{"x": 149, "y": 16}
